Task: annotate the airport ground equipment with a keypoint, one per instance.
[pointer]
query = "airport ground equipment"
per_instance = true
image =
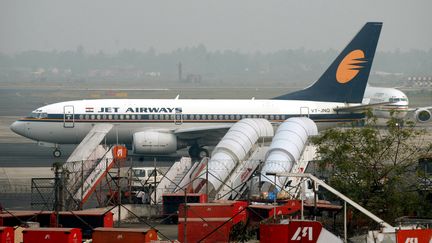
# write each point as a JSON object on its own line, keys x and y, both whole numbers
{"x": 172, "y": 177}
{"x": 52, "y": 235}
{"x": 7, "y": 235}
{"x": 87, "y": 165}
{"x": 235, "y": 146}
{"x": 124, "y": 235}
{"x": 186, "y": 179}
{"x": 296, "y": 231}
{"x": 286, "y": 148}
{"x": 317, "y": 182}
{"x": 86, "y": 220}
{"x": 293, "y": 187}
{"x": 237, "y": 183}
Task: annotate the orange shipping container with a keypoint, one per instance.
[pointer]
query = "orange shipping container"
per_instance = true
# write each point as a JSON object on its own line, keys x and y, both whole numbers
{"x": 7, "y": 235}
{"x": 119, "y": 235}
{"x": 52, "y": 235}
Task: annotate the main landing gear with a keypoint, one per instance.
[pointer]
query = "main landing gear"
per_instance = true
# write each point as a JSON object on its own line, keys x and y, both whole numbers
{"x": 197, "y": 152}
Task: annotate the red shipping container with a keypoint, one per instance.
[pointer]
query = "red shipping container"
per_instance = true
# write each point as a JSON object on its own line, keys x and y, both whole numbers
{"x": 171, "y": 202}
{"x": 227, "y": 209}
{"x": 125, "y": 235}
{"x": 414, "y": 235}
{"x": 197, "y": 229}
{"x": 260, "y": 212}
{"x": 52, "y": 235}
{"x": 7, "y": 235}
{"x": 294, "y": 231}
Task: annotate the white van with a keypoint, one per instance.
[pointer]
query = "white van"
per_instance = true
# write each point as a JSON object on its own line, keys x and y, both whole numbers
{"x": 144, "y": 176}
{"x": 142, "y": 180}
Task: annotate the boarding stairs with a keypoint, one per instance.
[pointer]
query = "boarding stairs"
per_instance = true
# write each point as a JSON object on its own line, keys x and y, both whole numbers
{"x": 237, "y": 183}
{"x": 171, "y": 178}
{"x": 86, "y": 166}
{"x": 308, "y": 154}
{"x": 187, "y": 178}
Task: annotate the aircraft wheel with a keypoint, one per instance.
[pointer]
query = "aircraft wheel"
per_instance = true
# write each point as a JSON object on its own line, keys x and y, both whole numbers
{"x": 57, "y": 153}
{"x": 203, "y": 153}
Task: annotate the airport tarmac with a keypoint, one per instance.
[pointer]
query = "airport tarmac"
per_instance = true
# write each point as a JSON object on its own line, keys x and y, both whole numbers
{"x": 36, "y": 161}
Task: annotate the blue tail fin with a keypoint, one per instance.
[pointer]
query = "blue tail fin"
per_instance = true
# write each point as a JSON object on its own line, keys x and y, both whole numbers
{"x": 346, "y": 78}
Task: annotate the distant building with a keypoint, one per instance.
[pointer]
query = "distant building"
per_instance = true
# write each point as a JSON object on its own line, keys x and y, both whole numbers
{"x": 419, "y": 82}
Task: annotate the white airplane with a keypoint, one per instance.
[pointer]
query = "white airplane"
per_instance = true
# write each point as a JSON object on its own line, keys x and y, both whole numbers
{"x": 397, "y": 103}
{"x": 162, "y": 126}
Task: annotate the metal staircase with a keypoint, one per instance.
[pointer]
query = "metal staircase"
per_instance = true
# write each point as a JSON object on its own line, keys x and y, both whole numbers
{"x": 86, "y": 166}
{"x": 236, "y": 184}
{"x": 171, "y": 178}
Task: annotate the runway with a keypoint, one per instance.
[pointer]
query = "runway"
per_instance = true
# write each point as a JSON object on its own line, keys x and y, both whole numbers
{"x": 30, "y": 155}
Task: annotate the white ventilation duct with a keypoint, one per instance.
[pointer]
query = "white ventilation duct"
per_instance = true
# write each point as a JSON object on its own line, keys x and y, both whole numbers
{"x": 286, "y": 148}
{"x": 233, "y": 147}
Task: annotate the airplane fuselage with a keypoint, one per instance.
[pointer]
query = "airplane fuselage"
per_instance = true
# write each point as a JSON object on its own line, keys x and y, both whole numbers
{"x": 398, "y": 108}
{"x": 69, "y": 122}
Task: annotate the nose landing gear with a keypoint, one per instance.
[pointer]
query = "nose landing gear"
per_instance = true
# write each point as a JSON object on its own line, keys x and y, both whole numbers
{"x": 57, "y": 153}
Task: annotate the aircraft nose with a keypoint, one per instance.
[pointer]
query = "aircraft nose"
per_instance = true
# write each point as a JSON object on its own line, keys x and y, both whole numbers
{"x": 18, "y": 127}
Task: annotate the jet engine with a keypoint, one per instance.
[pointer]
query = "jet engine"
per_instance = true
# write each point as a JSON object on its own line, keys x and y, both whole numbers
{"x": 154, "y": 142}
{"x": 423, "y": 115}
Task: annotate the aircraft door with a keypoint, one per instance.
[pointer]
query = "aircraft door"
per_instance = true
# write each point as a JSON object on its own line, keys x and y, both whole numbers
{"x": 68, "y": 116}
{"x": 178, "y": 117}
{"x": 304, "y": 111}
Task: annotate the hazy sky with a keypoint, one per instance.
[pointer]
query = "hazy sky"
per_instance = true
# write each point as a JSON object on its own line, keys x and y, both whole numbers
{"x": 244, "y": 25}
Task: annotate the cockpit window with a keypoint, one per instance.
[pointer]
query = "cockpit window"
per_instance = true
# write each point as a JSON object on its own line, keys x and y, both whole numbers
{"x": 38, "y": 115}
{"x": 33, "y": 115}
{"x": 397, "y": 99}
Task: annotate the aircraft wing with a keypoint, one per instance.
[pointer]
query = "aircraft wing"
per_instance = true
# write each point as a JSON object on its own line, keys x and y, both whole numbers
{"x": 360, "y": 107}
{"x": 210, "y": 134}
{"x": 420, "y": 108}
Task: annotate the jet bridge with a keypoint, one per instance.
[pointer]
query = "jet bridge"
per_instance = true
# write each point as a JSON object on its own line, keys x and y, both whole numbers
{"x": 86, "y": 166}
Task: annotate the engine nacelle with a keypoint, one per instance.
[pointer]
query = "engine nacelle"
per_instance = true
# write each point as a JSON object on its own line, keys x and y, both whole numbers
{"x": 423, "y": 115}
{"x": 154, "y": 142}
